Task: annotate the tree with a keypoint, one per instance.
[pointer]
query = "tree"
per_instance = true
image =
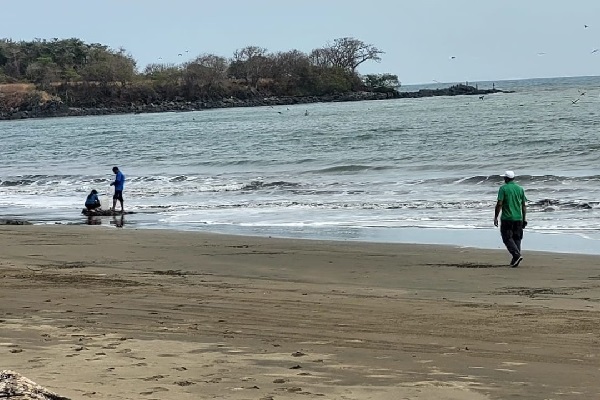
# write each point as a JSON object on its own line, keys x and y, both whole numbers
{"x": 251, "y": 64}
{"x": 3, "y": 55}
{"x": 321, "y": 58}
{"x": 286, "y": 70}
{"x": 163, "y": 72}
{"x": 347, "y": 53}
{"x": 204, "y": 74}
{"x": 289, "y": 64}
{"x": 213, "y": 68}
{"x": 165, "y": 79}
{"x": 107, "y": 67}
{"x": 12, "y": 52}
{"x": 43, "y": 72}
{"x": 381, "y": 82}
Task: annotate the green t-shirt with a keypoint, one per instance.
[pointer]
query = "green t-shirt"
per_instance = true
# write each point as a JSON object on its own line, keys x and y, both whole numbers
{"x": 513, "y": 198}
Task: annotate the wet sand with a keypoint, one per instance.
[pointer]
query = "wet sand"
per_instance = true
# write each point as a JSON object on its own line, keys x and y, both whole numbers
{"x": 97, "y": 313}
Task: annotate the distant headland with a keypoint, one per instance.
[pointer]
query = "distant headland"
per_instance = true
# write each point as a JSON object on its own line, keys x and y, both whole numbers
{"x": 55, "y": 78}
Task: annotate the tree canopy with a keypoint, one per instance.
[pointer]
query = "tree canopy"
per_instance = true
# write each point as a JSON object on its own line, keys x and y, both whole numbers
{"x": 87, "y": 74}
{"x": 381, "y": 82}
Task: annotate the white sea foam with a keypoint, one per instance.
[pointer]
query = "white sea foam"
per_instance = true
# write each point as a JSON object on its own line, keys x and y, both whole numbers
{"x": 341, "y": 172}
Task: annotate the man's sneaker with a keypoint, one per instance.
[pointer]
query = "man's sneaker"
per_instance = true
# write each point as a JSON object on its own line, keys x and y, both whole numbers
{"x": 516, "y": 261}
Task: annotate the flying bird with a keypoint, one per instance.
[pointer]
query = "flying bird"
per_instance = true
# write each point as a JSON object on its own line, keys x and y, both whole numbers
{"x": 481, "y": 97}
{"x": 581, "y": 93}
{"x": 453, "y": 57}
{"x": 541, "y": 54}
{"x": 585, "y": 26}
{"x": 574, "y": 101}
{"x": 594, "y": 51}
{"x": 179, "y": 54}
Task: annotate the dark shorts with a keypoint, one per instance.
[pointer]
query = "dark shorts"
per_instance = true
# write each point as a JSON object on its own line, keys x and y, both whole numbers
{"x": 511, "y": 230}
{"x": 118, "y": 195}
{"x": 92, "y": 206}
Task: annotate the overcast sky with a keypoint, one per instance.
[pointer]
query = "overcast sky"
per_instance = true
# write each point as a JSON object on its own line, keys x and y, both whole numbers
{"x": 490, "y": 39}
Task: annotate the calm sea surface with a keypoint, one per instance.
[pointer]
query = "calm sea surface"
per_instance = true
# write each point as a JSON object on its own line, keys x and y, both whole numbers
{"x": 408, "y": 170}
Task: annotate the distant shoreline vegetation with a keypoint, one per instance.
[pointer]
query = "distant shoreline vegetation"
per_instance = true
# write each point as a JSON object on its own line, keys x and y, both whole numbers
{"x": 62, "y": 77}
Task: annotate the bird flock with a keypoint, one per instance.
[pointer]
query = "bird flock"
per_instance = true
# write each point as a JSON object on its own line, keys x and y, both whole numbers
{"x": 178, "y": 55}
{"x": 542, "y": 53}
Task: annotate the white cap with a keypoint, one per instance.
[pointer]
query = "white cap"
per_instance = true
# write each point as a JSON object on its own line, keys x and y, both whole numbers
{"x": 508, "y": 174}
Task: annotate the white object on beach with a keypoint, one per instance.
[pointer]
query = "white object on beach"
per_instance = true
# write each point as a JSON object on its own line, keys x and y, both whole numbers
{"x": 105, "y": 202}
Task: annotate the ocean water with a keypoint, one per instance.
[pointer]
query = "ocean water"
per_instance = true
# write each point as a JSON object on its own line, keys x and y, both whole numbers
{"x": 406, "y": 170}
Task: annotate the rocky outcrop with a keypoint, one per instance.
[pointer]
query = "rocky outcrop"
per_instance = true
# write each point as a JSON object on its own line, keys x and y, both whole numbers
{"x": 56, "y": 108}
{"x": 456, "y": 90}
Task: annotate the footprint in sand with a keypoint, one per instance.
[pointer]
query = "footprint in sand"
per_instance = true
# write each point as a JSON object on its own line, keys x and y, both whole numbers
{"x": 124, "y": 351}
{"x": 184, "y": 383}
{"x": 154, "y": 390}
{"x": 153, "y": 378}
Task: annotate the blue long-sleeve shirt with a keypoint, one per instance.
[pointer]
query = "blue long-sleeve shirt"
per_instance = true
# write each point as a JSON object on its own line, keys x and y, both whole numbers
{"x": 119, "y": 182}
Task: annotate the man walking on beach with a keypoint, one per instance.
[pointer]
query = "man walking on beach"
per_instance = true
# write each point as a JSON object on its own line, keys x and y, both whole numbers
{"x": 119, "y": 184}
{"x": 511, "y": 202}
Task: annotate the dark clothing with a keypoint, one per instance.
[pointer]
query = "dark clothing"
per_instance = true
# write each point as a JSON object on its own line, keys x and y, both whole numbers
{"x": 512, "y": 234}
{"x": 92, "y": 201}
{"x": 118, "y": 195}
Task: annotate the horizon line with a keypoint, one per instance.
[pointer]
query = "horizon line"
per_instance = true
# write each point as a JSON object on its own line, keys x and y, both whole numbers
{"x": 499, "y": 80}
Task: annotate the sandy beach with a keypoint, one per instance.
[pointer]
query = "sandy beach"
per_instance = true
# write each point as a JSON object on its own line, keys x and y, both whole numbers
{"x": 96, "y": 313}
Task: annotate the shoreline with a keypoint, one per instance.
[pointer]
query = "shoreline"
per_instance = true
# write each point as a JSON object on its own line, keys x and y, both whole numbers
{"x": 477, "y": 239}
{"x": 135, "y": 313}
{"x": 57, "y": 108}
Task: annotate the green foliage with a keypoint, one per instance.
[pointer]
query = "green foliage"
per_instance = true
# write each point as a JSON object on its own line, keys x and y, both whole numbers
{"x": 381, "y": 82}
{"x": 42, "y": 61}
{"x": 3, "y": 55}
{"x": 43, "y": 71}
{"x": 91, "y": 74}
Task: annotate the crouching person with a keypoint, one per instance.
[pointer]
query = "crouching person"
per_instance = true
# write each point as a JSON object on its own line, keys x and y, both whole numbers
{"x": 92, "y": 202}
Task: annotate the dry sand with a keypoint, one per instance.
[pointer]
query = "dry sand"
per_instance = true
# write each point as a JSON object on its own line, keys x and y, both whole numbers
{"x": 96, "y": 313}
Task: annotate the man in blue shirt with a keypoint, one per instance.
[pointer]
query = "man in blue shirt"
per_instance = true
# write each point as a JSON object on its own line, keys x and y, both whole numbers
{"x": 119, "y": 184}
